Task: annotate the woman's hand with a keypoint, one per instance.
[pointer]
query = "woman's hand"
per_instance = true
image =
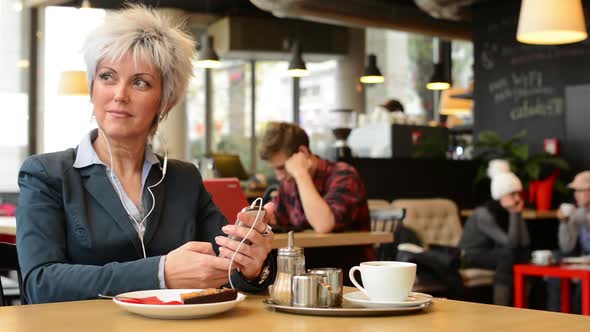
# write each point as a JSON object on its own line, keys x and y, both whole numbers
{"x": 250, "y": 258}
{"x": 195, "y": 265}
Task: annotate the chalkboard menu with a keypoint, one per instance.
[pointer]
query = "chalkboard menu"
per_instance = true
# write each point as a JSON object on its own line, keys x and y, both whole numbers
{"x": 519, "y": 86}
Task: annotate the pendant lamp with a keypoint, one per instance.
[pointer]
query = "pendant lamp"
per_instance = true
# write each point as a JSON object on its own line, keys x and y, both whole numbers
{"x": 297, "y": 66}
{"x": 207, "y": 57}
{"x": 372, "y": 74}
{"x": 551, "y": 22}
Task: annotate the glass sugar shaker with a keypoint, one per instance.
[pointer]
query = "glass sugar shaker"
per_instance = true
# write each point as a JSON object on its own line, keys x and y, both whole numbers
{"x": 290, "y": 261}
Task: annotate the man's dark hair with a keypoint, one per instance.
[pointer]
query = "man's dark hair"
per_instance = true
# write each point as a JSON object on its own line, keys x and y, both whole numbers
{"x": 282, "y": 137}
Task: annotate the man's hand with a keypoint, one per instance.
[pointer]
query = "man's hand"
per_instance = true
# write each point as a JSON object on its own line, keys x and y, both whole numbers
{"x": 298, "y": 164}
{"x": 250, "y": 258}
{"x": 195, "y": 265}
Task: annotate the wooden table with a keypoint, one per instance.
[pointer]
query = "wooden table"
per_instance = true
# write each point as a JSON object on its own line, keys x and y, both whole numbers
{"x": 309, "y": 239}
{"x": 526, "y": 214}
{"x": 7, "y": 229}
{"x": 565, "y": 272}
{"x": 8, "y": 225}
{"x": 251, "y": 315}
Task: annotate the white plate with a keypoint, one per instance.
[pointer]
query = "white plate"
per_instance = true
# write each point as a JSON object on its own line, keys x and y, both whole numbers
{"x": 413, "y": 300}
{"x": 183, "y": 311}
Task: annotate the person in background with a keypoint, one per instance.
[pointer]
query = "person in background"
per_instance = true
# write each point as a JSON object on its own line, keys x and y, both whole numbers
{"x": 573, "y": 238}
{"x": 393, "y": 105}
{"x": 317, "y": 194}
{"x": 495, "y": 236}
{"x": 110, "y": 216}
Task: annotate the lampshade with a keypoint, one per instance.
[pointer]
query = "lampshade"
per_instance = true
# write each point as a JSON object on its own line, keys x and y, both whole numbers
{"x": 372, "y": 74}
{"x": 439, "y": 79}
{"x": 551, "y": 22}
{"x": 207, "y": 57}
{"x": 451, "y": 105}
{"x": 297, "y": 66}
{"x": 73, "y": 83}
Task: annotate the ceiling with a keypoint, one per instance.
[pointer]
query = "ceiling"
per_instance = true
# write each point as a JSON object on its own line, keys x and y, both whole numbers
{"x": 445, "y": 18}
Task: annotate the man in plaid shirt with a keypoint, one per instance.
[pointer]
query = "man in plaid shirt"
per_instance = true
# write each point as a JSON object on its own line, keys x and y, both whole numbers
{"x": 317, "y": 194}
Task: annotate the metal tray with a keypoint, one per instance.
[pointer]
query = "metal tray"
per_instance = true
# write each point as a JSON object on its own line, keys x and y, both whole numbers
{"x": 347, "y": 309}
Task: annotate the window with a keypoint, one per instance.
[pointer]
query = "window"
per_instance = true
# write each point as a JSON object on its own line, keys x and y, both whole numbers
{"x": 317, "y": 100}
{"x": 62, "y": 51}
{"x": 406, "y": 59}
{"x": 14, "y": 65}
{"x": 231, "y": 85}
{"x": 231, "y": 110}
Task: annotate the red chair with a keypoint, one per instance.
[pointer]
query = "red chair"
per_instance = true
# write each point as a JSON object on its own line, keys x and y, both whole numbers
{"x": 228, "y": 195}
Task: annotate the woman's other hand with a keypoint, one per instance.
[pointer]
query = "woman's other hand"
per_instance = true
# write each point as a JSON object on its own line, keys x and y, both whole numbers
{"x": 195, "y": 265}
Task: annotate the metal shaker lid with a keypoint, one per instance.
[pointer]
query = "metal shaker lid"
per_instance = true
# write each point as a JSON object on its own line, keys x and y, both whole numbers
{"x": 290, "y": 250}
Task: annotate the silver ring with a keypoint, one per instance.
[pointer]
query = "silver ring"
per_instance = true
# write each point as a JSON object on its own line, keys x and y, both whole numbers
{"x": 267, "y": 231}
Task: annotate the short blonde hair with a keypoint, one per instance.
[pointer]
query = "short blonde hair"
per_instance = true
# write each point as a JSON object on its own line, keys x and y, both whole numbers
{"x": 144, "y": 33}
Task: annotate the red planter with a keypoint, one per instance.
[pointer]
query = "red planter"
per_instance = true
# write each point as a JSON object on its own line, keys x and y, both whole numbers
{"x": 541, "y": 191}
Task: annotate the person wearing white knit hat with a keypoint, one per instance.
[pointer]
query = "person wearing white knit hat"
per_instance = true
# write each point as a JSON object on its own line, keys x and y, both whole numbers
{"x": 495, "y": 236}
{"x": 506, "y": 188}
{"x": 497, "y": 166}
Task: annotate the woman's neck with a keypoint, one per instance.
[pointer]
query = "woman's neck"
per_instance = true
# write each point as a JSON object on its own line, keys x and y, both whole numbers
{"x": 127, "y": 156}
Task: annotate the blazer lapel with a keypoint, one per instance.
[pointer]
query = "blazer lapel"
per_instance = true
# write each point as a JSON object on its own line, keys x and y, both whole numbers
{"x": 101, "y": 188}
{"x": 159, "y": 191}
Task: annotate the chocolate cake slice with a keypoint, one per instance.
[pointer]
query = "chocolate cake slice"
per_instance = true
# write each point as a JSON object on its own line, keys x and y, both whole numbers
{"x": 209, "y": 295}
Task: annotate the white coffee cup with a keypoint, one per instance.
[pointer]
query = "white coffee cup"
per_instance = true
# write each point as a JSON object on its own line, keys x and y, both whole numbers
{"x": 385, "y": 281}
{"x": 542, "y": 257}
{"x": 567, "y": 209}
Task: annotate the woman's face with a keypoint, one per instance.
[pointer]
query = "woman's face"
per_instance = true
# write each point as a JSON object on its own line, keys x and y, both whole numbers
{"x": 582, "y": 197}
{"x": 126, "y": 97}
{"x": 511, "y": 201}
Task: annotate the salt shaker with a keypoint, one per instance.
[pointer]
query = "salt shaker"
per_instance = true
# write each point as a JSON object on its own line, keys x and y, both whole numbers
{"x": 290, "y": 261}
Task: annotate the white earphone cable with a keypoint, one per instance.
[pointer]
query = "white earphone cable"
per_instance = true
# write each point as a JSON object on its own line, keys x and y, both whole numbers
{"x": 259, "y": 199}
{"x": 140, "y": 225}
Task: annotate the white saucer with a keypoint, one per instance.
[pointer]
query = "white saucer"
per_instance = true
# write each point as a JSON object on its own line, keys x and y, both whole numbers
{"x": 413, "y": 300}
{"x": 183, "y": 311}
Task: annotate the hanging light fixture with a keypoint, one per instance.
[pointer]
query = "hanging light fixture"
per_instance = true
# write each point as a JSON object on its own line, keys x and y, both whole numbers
{"x": 207, "y": 57}
{"x": 297, "y": 66}
{"x": 438, "y": 81}
{"x": 441, "y": 73}
{"x": 551, "y": 22}
{"x": 372, "y": 74}
{"x": 73, "y": 83}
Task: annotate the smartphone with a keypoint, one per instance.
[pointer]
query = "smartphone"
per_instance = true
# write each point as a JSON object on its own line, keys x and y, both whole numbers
{"x": 250, "y": 210}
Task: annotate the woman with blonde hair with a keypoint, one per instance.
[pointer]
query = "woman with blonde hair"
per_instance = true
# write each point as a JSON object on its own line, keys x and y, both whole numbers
{"x": 110, "y": 216}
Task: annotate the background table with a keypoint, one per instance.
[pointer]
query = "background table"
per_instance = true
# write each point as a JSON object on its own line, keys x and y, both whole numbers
{"x": 526, "y": 214}
{"x": 251, "y": 315}
{"x": 7, "y": 229}
{"x": 309, "y": 239}
{"x": 565, "y": 272}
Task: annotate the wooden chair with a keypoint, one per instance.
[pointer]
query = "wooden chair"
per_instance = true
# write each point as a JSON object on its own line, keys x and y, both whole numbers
{"x": 9, "y": 262}
{"x": 386, "y": 219}
{"x": 436, "y": 221}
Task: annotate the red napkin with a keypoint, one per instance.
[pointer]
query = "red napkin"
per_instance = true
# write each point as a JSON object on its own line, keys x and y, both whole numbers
{"x": 150, "y": 300}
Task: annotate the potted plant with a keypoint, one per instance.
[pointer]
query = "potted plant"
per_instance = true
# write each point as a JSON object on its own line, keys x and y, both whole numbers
{"x": 539, "y": 172}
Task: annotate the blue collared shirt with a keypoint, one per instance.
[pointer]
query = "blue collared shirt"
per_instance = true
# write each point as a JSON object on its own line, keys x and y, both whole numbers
{"x": 86, "y": 156}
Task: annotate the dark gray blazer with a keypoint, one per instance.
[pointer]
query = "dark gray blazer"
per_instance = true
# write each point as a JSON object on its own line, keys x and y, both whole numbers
{"x": 75, "y": 239}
